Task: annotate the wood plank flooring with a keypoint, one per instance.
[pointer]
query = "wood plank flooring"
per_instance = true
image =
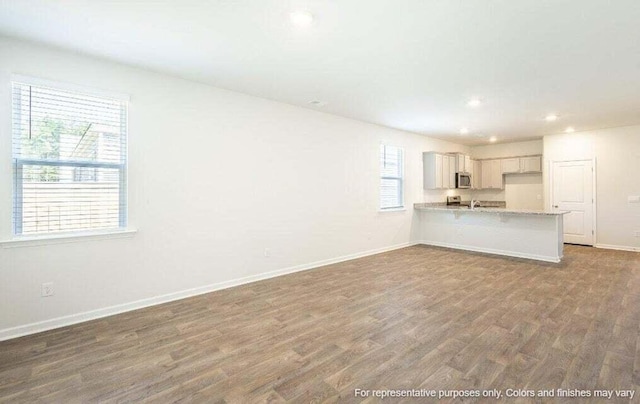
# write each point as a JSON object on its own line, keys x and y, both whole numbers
{"x": 419, "y": 317}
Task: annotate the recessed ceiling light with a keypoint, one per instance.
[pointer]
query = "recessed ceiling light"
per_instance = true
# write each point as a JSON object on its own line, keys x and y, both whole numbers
{"x": 464, "y": 131}
{"x": 474, "y": 102}
{"x": 570, "y": 129}
{"x": 301, "y": 18}
{"x": 551, "y": 118}
{"x": 493, "y": 139}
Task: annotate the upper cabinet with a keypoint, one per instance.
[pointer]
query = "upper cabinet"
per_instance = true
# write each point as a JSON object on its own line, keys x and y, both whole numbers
{"x": 463, "y": 163}
{"x": 491, "y": 174}
{"x": 439, "y": 170}
{"x": 476, "y": 174}
{"x": 446, "y": 168}
{"x": 452, "y": 171}
{"x": 511, "y": 165}
{"x": 529, "y": 164}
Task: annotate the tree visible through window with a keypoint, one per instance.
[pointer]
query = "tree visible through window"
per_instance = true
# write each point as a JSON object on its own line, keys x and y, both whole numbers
{"x": 69, "y": 158}
{"x": 391, "y": 177}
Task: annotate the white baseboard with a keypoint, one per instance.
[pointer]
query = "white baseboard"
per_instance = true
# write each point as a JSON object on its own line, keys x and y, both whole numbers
{"x": 493, "y": 251}
{"x": 32, "y": 328}
{"x": 618, "y": 247}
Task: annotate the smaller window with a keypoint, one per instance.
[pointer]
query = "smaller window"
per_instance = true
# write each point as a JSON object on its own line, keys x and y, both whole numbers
{"x": 391, "y": 177}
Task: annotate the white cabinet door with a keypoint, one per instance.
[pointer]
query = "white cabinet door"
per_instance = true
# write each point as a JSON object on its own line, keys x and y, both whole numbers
{"x": 459, "y": 163}
{"x": 491, "y": 174}
{"x": 511, "y": 165}
{"x": 476, "y": 178}
{"x": 496, "y": 174}
{"x": 531, "y": 164}
{"x": 445, "y": 172}
{"x": 486, "y": 174}
{"x": 432, "y": 170}
{"x": 452, "y": 171}
{"x": 438, "y": 170}
{"x": 463, "y": 163}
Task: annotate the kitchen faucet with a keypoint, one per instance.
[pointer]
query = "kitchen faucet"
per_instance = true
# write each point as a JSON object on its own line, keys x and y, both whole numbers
{"x": 474, "y": 203}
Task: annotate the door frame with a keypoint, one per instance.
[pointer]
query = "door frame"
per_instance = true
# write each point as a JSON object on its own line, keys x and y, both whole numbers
{"x": 595, "y": 193}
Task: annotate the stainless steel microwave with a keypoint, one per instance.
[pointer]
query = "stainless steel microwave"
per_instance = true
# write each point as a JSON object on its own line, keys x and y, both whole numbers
{"x": 463, "y": 180}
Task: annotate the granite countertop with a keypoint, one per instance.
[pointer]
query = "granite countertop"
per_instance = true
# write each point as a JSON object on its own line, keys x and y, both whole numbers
{"x": 440, "y": 206}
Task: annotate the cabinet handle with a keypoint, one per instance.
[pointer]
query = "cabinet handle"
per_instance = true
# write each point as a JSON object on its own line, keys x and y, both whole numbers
{"x": 555, "y": 206}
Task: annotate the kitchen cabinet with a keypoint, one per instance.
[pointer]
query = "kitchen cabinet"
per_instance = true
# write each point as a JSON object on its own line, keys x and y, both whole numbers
{"x": 511, "y": 165}
{"x": 439, "y": 170}
{"x": 463, "y": 163}
{"x": 452, "y": 172}
{"x": 496, "y": 174}
{"x": 492, "y": 174}
{"x": 486, "y": 173}
{"x": 432, "y": 169}
{"x": 476, "y": 176}
{"x": 531, "y": 164}
{"x": 446, "y": 168}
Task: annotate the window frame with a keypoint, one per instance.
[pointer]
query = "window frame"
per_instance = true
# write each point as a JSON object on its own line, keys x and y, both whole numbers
{"x": 18, "y": 164}
{"x": 400, "y": 179}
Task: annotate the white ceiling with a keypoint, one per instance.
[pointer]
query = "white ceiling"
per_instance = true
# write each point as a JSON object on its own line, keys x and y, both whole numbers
{"x": 409, "y": 64}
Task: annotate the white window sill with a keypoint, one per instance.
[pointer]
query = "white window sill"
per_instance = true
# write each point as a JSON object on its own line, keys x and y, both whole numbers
{"x": 63, "y": 238}
{"x": 393, "y": 209}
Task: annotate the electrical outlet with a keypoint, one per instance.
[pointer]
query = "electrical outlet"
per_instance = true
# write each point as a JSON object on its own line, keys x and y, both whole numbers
{"x": 47, "y": 289}
{"x": 267, "y": 252}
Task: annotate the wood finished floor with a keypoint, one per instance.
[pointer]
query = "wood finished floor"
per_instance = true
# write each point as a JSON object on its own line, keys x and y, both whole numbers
{"x": 419, "y": 317}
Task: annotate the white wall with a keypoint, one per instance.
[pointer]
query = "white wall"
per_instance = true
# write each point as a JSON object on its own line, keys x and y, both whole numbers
{"x": 617, "y": 154}
{"x": 215, "y": 177}
{"x": 521, "y": 191}
{"x": 500, "y": 150}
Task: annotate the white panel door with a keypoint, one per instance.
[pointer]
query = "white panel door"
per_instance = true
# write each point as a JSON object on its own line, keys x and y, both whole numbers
{"x": 573, "y": 192}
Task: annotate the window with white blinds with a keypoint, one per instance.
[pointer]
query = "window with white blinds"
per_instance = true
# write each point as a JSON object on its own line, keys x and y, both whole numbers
{"x": 391, "y": 177}
{"x": 69, "y": 161}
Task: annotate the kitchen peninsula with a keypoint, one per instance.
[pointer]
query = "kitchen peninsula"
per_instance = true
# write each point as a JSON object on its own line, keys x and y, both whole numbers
{"x": 533, "y": 234}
